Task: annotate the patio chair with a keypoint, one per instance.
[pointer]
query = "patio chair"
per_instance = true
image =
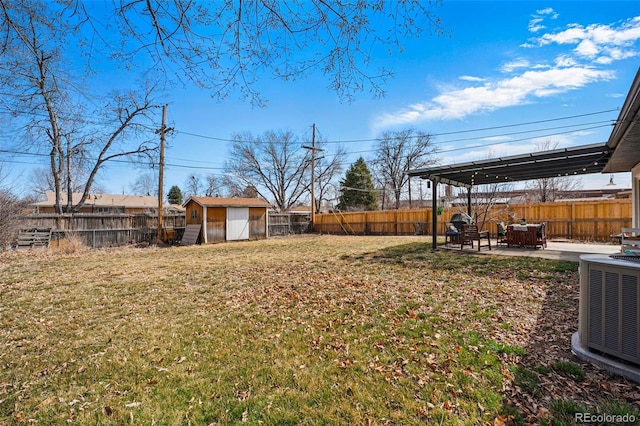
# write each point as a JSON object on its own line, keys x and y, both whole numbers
{"x": 470, "y": 233}
{"x": 541, "y": 235}
{"x": 501, "y": 234}
{"x": 452, "y": 234}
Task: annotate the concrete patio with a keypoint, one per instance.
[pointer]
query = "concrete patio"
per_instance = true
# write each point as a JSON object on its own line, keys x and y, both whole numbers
{"x": 557, "y": 250}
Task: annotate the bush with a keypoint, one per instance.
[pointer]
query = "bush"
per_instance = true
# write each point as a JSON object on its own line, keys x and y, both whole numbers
{"x": 72, "y": 243}
{"x": 10, "y": 207}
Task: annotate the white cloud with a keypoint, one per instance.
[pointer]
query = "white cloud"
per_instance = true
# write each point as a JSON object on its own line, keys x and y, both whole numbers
{"x": 548, "y": 11}
{"x": 587, "y": 48}
{"x": 535, "y": 23}
{"x": 514, "y": 65}
{"x": 565, "y": 61}
{"x": 471, "y": 78}
{"x": 591, "y": 47}
{"x": 517, "y": 90}
{"x": 597, "y": 42}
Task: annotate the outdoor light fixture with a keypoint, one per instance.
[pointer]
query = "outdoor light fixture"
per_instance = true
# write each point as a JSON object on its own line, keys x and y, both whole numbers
{"x": 611, "y": 182}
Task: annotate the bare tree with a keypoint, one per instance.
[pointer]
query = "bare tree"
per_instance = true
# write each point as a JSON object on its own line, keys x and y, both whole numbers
{"x": 289, "y": 38}
{"x": 10, "y": 209}
{"x": 488, "y": 203}
{"x": 208, "y": 186}
{"x": 327, "y": 171}
{"x": 384, "y": 190}
{"x": 549, "y": 189}
{"x": 146, "y": 184}
{"x": 193, "y": 186}
{"x": 228, "y": 44}
{"x": 399, "y": 152}
{"x": 38, "y": 88}
{"x": 49, "y": 47}
{"x": 42, "y": 182}
{"x": 232, "y": 188}
{"x": 275, "y": 164}
{"x": 212, "y": 186}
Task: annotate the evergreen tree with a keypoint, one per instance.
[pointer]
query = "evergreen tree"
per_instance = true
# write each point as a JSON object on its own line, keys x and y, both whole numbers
{"x": 175, "y": 195}
{"x": 358, "y": 192}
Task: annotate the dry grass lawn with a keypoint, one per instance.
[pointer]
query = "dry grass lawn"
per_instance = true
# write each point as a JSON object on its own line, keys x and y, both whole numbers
{"x": 301, "y": 330}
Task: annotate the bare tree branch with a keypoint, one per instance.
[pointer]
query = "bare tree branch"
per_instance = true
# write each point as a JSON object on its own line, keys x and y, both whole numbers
{"x": 399, "y": 152}
{"x": 275, "y": 164}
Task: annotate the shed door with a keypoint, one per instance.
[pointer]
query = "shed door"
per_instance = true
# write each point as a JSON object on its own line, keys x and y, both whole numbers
{"x": 237, "y": 223}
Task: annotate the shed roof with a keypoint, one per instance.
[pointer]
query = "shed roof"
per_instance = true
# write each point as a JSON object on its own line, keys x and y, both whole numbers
{"x": 228, "y": 202}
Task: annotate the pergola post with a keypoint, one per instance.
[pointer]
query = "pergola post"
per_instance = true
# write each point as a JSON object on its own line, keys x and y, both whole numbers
{"x": 434, "y": 215}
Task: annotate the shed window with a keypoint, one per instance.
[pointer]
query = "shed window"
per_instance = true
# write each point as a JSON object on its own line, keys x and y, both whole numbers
{"x": 194, "y": 214}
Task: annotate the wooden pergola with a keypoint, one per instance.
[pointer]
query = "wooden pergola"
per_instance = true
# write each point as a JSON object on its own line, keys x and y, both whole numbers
{"x": 536, "y": 165}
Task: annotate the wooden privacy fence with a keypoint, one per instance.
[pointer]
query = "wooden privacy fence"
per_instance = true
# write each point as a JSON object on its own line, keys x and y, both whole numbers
{"x": 583, "y": 220}
{"x": 580, "y": 220}
{"x": 104, "y": 230}
{"x": 385, "y": 222}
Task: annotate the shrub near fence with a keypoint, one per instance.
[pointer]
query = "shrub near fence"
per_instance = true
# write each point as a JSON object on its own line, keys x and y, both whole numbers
{"x": 103, "y": 230}
{"x": 580, "y": 220}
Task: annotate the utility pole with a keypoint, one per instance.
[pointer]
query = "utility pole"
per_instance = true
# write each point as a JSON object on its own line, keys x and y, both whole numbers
{"x": 163, "y": 130}
{"x": 313, "y": 174}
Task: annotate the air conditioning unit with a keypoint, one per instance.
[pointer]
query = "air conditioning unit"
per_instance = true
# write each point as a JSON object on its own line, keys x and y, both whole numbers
{"x": 609, "y": 318}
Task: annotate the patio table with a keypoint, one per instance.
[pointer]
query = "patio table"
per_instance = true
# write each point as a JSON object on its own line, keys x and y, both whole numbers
{"x": 523, "y": 235}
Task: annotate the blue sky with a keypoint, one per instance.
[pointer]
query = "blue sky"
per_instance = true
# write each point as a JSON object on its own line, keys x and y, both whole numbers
{"x": 502, "y": 65}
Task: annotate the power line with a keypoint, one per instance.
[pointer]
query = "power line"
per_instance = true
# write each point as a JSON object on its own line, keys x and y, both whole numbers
{"x": 520, "y": 140}
{"x": 575, "y": 128}
{"x": 481, "y": 129}
{"x": 191, "y": 166}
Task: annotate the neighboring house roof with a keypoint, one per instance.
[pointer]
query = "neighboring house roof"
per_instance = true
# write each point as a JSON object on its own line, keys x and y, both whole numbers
{"x": 301, "y": 209}
{"x": 228, "y": 202}
{"x": 104, "y": 200}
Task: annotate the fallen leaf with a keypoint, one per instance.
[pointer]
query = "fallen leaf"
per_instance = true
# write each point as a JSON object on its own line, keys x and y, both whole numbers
{"x": 46, "y": 402}
{"x": 543, "y": 413}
